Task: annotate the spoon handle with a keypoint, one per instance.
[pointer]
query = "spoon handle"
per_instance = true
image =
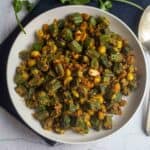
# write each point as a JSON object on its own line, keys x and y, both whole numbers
{"x": 147, "y": 127}
{"x": 148, "y": 117}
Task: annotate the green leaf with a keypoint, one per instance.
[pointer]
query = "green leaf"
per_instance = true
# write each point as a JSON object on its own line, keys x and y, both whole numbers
{"x": 108, "y": 4}
{"x": 105, "y": 5}
{"x": 17, "y": 4}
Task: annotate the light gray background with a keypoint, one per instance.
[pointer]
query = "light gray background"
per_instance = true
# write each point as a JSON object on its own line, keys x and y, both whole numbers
{"x": 15, "y": 136}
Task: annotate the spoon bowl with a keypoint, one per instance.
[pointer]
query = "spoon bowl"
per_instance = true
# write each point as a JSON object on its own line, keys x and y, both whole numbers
{"x": 144, "y": 28}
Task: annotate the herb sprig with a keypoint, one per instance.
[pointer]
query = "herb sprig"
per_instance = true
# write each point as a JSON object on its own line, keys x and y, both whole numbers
{"x": 103, "y": 4}
{"x": 18, "y": 5}
{"x": 106, "y": 5}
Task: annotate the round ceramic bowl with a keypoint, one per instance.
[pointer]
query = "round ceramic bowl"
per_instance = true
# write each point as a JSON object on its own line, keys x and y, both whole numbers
{"x": 23, "y": 41}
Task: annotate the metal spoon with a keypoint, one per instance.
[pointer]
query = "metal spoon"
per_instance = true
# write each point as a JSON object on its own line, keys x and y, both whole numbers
{"x": 144, "y": 37}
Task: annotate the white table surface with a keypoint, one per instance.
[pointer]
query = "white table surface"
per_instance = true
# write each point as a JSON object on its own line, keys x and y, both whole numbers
{"x": 15, "y": 136}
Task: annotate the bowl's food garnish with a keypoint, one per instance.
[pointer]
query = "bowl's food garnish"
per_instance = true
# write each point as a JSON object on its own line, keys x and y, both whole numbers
{"x": 76, "y": 73}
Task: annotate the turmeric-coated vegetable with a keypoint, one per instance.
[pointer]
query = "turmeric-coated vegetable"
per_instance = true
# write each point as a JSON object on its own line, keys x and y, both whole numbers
{"x": 75, "y": 74}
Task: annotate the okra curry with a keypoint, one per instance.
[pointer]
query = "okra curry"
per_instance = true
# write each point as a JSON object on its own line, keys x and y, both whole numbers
{"x": 76, "y": 75}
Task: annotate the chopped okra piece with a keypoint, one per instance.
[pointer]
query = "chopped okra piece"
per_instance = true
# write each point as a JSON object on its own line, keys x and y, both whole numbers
{"x": 116, "y": 57}
{"x": 72, "y": 107}
{"x": 41, "y": 115}
{"x": 93, "y": 104}
{"x": 67, "y": 34}
{"x": 76, "y": 18}
{"x": 89, "y": 43}
{"x": 61, "y": 43}
{"x": 43, "y": 98}
{"x": 126, "y": 49}
{"x": 37, "y": 46}
{"x": 104, "y": 60}
{"x": 59, "y": 69}
{"x": 65, "y": 121}
{"x": 92, "y": 21}
{"x": 61, "y": 24}
{"x": 24, "y": 55}
{"x": 92, "y": 53}
{"x": 75, "y": 46}
{"x": 21, "y": 90}
{"x": 96, "y": 123}
{"x": 47, "y": 124}
{"x": 21, "y": 77}
{"x": 80, "y": 125}
{"x": 95, "y": 63}
{"x": 107, "y": 124}
{"x": 117, "y": 68}
{"x": 53, "y": 30}
{"x": 36, "y": 81}
{"x": 117, "y": 97}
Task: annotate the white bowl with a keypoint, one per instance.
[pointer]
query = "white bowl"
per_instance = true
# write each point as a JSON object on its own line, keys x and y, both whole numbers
{"x": 23, "y": 41}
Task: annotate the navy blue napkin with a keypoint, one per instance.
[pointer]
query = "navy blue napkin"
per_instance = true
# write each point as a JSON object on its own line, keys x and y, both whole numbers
{"x": 128, "y": 14}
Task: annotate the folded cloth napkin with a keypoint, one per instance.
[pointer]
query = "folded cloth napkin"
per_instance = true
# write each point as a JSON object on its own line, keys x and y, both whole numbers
{"x": 127, "y": 13}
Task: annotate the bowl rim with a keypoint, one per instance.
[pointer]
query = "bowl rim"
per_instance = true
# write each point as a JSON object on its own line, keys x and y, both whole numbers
{"x": 145, "y": 85}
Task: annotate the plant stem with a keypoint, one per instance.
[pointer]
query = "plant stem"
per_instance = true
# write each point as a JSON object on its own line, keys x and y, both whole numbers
{"x": 20, "y": 25}
{"x": 101, "y": 2}
{"x": 130, "y": 3}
